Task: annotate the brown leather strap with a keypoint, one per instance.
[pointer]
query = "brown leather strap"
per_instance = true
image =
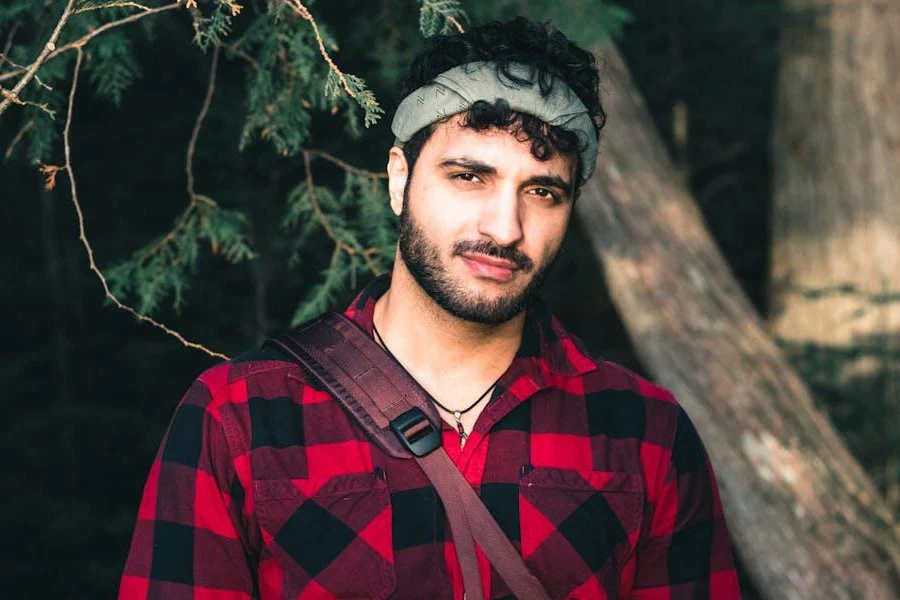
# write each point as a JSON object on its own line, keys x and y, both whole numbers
{"x": 499, "y": 550}
{"x": 383, "y": 398}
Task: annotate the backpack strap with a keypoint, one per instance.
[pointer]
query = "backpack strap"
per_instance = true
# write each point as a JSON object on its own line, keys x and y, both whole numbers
{"x": 399, "y": 416}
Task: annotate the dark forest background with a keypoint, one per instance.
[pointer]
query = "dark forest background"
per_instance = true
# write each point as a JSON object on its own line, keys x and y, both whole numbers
{"x": 88, "y": 391}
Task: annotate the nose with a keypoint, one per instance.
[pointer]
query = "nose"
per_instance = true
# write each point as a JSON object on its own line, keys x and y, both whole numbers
{"x": 501, "y": 218}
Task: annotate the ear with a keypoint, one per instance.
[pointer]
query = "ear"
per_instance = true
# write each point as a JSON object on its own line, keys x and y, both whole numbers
{"x": 398, "y": 172}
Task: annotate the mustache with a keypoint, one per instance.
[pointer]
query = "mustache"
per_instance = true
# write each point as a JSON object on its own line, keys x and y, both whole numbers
{"x": 489, "y": 248}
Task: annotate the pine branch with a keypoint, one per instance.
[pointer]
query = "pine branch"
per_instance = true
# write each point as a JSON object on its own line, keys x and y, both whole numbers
{"x": 340, "y": 244}
{"x": 440, "y": 17}
{"x": 305, "y": 14}
{"x": 353, "y": 86}
{"x": 49, "y": 47}
{"x": 80, "y": 42}
{"x": 81, "y": 228}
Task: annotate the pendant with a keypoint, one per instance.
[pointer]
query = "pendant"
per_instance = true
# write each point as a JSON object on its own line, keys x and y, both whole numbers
{"x": 459, "y": 426}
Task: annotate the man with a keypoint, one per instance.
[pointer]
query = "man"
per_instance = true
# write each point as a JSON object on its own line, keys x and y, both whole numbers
{"x": 264, "y": 487}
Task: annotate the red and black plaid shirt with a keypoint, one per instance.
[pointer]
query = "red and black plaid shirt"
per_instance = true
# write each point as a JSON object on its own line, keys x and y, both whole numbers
{"x": 264, "y": 488}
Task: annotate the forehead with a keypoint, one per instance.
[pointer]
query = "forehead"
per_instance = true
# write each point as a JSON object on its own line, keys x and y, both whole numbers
{"x": 496, "y": 147}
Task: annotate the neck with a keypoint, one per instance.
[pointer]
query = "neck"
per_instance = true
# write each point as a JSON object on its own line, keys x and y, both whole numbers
{"x": 442, "y": 351}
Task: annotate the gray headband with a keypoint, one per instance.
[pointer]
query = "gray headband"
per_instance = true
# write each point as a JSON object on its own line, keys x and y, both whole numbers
{"x": 454, "y": 91}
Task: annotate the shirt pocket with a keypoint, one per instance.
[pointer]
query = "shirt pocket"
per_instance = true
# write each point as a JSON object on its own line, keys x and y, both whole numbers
{"x": 579, "y": 528}
{"x": 333, "y": 539}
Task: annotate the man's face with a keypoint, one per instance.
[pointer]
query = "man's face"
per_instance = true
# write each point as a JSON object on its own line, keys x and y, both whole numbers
{"x": 481, "y": 220}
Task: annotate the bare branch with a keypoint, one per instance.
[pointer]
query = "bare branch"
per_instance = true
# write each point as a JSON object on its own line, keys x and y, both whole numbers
{"x": 4, "y": 56}
{"x": 194, "y": 197}
{"x": 113, "y": 4}
{"x": 192, "y": 145}
{"x": 17, "y": 138}
{"x": 346, "y": 166}
{"x": 81, "y": 230}
{"x": 9, "y": 40}
{"x": 456, "y": 23}
{"x": 48, "y": 48}
{"x": 42, "y": 106}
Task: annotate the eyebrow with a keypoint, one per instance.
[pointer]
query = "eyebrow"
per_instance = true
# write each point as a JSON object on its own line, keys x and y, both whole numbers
{"x": 554, "y": 181}
{"x": 470, "y": 164}
{"x": 482, "y": 168}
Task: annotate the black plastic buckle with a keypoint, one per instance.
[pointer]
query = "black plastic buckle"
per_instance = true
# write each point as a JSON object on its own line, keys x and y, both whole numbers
{"x": 422, "y": 440}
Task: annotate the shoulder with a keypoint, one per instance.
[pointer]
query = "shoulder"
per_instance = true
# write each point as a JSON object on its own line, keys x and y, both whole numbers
{"x": 623, "y": 403}
{"x": 257, "y": 373}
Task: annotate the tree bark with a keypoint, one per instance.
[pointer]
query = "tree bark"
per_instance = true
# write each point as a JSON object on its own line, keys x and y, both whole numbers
{"x": 835, "y": 270}
{"x": 807, "y": 521}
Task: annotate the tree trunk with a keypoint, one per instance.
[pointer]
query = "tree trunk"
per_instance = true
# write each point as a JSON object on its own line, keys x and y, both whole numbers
{"x": 807, "y": 521}
{"x": 835, "y": 269}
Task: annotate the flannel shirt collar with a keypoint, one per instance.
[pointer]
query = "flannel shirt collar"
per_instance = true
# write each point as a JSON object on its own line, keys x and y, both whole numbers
{"x": 547, "y": 349}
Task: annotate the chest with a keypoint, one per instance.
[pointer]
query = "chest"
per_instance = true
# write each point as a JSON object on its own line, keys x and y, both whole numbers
{"x": 339, "y": 517}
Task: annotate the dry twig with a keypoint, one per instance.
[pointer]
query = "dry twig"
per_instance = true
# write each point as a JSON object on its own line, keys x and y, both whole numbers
{"x": 9, "y": 40}
{"x": 50, "y": 172}
{"x": 20, "y": 68}
{"x": 17, "y": 138}
{"x": 192, "y": 145}
{"x": 112, "y": 4}
{"x": 195, "y": 198}
{"x": 346, "y": 166}
{"x": 83, "y": 237}
{"x": 456, "y": 23}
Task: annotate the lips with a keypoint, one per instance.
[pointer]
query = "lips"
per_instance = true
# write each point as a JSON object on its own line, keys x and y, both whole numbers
{"x": 490, "y": 267}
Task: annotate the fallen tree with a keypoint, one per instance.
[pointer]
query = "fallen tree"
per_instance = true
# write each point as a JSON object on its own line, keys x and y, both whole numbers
{"x": 807, "y": 521}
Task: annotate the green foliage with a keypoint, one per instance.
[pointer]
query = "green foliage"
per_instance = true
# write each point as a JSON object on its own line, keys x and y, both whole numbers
{"x": 435, "y": 16}
{"x": 607, "y": 19}
{"x": 282, "y": 89}
{"x": 163, "y": 269}
{"x": 359, "y": 223}
{"x": 212, "y": 26}
{"x": 334, "y": 90}
{"x": 112, "y": 67}
{"x": 586, "y": 22}
{"x": 286, "y": 82}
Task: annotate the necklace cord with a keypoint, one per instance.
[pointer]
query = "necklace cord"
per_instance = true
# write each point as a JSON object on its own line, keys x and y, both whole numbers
{"x": 451, "y": 411}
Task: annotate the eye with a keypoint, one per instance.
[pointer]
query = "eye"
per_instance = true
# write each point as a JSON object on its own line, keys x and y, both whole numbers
{"x": 467, "y": 177}
{"x": 545, "y": 194}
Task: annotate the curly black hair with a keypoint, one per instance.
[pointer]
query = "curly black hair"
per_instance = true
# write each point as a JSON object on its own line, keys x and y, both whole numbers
{"x": 537, "y": 45}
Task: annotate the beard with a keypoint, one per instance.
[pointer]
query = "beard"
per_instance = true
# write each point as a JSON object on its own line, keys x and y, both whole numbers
{"x": 422, "y": 260}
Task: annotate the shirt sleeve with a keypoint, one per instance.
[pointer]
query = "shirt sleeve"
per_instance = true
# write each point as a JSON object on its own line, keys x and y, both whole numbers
{"x": 189, "y": 540}
{"x": 687, "y": 553}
